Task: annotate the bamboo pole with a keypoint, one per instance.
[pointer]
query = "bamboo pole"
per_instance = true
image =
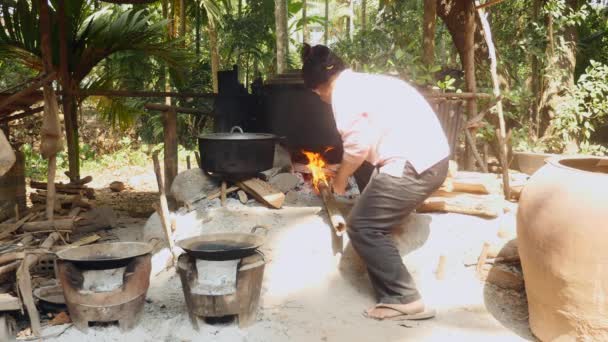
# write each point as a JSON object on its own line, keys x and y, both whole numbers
{"x": 468, "y": 61}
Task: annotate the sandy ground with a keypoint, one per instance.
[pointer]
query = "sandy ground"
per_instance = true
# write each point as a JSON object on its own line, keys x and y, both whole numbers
{"x": 311, "y": 295}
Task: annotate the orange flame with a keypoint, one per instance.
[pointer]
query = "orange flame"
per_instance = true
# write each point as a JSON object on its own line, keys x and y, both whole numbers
{"x": 316, "y": 165}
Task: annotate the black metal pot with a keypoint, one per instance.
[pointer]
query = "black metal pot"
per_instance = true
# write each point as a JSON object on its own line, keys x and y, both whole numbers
{"x": 236, "y": 155}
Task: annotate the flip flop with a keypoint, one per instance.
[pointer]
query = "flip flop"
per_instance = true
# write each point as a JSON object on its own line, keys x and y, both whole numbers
{"x": 401, "y": 315}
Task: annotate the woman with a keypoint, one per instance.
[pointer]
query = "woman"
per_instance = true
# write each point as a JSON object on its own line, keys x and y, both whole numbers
{"x": 385, "y": 122}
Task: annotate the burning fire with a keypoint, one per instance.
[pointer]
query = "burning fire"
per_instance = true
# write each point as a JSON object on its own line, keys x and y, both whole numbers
{"x": 316, "y": 165}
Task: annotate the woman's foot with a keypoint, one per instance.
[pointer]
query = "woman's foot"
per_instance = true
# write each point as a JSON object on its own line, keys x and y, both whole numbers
{"x": 416, "y": 310}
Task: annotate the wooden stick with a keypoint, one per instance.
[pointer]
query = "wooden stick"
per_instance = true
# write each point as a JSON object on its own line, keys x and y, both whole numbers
{"x": 188, "y": 165}
{"x": 24, "y": 280}
{"x": 167, "y": 108}
{"x": 30, "y": 89}
{"x": 223, "y": 194}
{"x": 7, "y": 229}
{"x": 163, "y": 209}
{"x": 335, "y": 216}
{"x": 219, "y": 192}
{"x": 483, "y": 256}
{"x": 82, "y": 181}
{"x": 50, "y": 197}
{"x": 488, "y": 4}
{"x": 471, "y": 142}
{"x": 440, "y": 273}
{"x": 198, "y": 159}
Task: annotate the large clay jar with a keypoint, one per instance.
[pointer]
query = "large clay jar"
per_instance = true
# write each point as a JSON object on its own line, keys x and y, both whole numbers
{"x": 562, "y": 233}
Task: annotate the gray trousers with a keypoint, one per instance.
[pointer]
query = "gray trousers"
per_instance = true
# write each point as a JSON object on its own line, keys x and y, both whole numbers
{"x": 383, "y": 205}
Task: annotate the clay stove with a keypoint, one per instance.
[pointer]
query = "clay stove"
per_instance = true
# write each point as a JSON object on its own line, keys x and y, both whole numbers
{"x": 231, "y": 296}
{"x": 102, "y": 283}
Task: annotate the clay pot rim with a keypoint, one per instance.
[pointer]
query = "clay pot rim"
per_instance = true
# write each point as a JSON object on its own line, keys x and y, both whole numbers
{"x": 557, "y": 162}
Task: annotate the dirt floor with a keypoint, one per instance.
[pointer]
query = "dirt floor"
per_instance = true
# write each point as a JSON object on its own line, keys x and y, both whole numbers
{"x": 311, "y": 295}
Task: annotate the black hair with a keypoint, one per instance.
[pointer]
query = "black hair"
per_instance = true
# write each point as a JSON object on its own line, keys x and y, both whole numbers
{"x": 319, "y": 65}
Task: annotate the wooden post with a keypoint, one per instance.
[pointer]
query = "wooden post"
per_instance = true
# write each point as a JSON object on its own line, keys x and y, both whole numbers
{"x": 170, "y": 135}
{"x": 468, "y": 62}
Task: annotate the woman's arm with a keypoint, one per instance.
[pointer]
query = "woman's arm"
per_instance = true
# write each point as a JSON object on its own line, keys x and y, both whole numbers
{"x": 357, "y": 141}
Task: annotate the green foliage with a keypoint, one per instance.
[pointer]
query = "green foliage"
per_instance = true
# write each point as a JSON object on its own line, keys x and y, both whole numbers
{"x": 585, "y": 109}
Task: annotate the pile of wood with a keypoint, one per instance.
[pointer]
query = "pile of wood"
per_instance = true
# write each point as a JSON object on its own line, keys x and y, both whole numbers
{"x": 471, "y": 193}
{"x": 29, "y": 236}
{"x": 68, "y": 196}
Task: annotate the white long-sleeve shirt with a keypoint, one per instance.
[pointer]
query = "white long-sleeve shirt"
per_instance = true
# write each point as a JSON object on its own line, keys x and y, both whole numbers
{"x": 387, "y": 122}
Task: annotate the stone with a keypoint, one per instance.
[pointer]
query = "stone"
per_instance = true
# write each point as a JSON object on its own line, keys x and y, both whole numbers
{"x": 190, "y": 185}
{"x": 284, "y": 182}
{"x": 282, "y": 159}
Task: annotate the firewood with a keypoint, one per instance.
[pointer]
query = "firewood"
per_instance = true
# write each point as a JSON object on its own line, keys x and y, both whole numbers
{"x": 24, "y": 281}
{"x": 61, "y": 224}
{"x": 7, "y": 229}
{"x": 242, "y": 196}
{"x": 219, "y": 193}
{"x": 461, "y": 203}
{"x": 82, "y": 181}
{"x": 263, "y": 192}
{"x": 61, "y": 188}
{"x": 335, "y": 216}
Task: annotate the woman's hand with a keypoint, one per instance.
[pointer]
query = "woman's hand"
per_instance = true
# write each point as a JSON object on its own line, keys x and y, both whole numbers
{"x": 339, "y": 185}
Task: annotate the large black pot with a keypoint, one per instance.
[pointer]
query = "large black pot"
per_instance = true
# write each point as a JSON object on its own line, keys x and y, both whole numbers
{"x": 236, "y": 155}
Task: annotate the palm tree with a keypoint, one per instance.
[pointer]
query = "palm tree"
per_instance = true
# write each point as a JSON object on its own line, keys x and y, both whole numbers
{"x": 90, "y": 37}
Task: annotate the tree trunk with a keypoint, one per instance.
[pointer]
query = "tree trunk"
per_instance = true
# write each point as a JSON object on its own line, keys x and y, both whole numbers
{"x": 364, "y": 15}
{"x": 182, "y": 18}
{"x": 452, "y": 13}
{"x": 280, "y": 17}
{"x": 428, "y": 40}
{"x": 305, "y": 35}
{"x": 326, "y": 28}
{"x": 468, "y": 62}
{"x": 215, "y": 54}
{"x": 198, "y": 29}
{"x": 350, "y": 20}
{"x": 535, "y": 81}
{"x": 559, "y": 69}
{"x": 70, "y": 117}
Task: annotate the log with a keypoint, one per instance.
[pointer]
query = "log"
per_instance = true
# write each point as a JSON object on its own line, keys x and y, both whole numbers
{"x": 66, "y": 188}
{"x": 61, "y": 224}
{"x": 24, "y": 281}
{"x": 219, "y": 193}
{"x": 263, "y": 192}
{"x": 242, "y": 196}
{"x": 462, "y": 203}
{"x": 335, "y": 216}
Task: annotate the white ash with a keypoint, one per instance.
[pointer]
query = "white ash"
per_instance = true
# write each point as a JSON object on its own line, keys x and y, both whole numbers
{"x": 216, "y": 278}
{"x": 102, "y": 280}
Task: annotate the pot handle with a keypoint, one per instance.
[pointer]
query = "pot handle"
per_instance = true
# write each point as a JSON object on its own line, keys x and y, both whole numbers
{"x": 253, "y": 230}
{"x": 235, "y": 128}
